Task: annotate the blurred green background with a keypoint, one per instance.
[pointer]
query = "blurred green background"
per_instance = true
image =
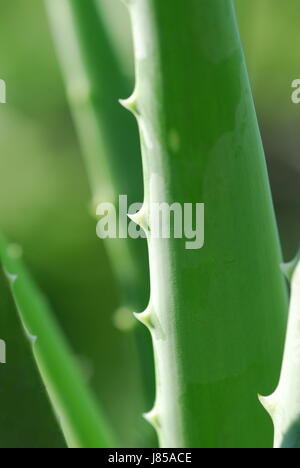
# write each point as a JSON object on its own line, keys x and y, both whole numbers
{"x": 44, "y": 193}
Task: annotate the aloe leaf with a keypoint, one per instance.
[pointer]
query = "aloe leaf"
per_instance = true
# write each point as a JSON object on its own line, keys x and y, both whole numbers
{"x": 284, "y": 404}
{"x": 81, "y": 421}
{"x": 217, "y": 315}
{"x": 94, "y": 79}
{"x": 26, "y": 416}
{"x": 292, "y": 437}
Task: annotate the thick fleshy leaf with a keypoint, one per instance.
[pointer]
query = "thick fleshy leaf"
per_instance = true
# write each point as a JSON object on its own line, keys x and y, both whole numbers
{"x": 81, "y": 421}
{"x": 26, "y": 416}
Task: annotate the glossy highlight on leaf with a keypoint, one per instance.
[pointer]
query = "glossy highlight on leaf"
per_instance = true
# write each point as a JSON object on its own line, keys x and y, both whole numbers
{"x": 216, "y": 350}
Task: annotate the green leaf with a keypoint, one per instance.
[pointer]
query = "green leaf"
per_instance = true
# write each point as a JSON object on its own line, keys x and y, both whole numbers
{"x": 81, "y": 421}
{"x": 95, "y": 80}
{"x": 26, "y": 416}
{"x": 217, "y": 315}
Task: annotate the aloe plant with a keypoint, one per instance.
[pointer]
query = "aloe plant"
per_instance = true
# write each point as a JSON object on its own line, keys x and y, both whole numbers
{"x": 79, "y": 417}
{"x": 94, "y": 80}
{"x": 210, "y": 310}
{"x": 217, "y": 314}
{"x": 24, "y": 406}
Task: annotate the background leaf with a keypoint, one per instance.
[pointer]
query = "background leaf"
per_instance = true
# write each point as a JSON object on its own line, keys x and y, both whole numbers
{"x": 77, "y": 412}
{"x": 26, "y": 416}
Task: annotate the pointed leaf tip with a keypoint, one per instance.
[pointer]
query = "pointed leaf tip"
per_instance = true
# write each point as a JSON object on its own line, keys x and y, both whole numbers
{"x": 288, "y": 268}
